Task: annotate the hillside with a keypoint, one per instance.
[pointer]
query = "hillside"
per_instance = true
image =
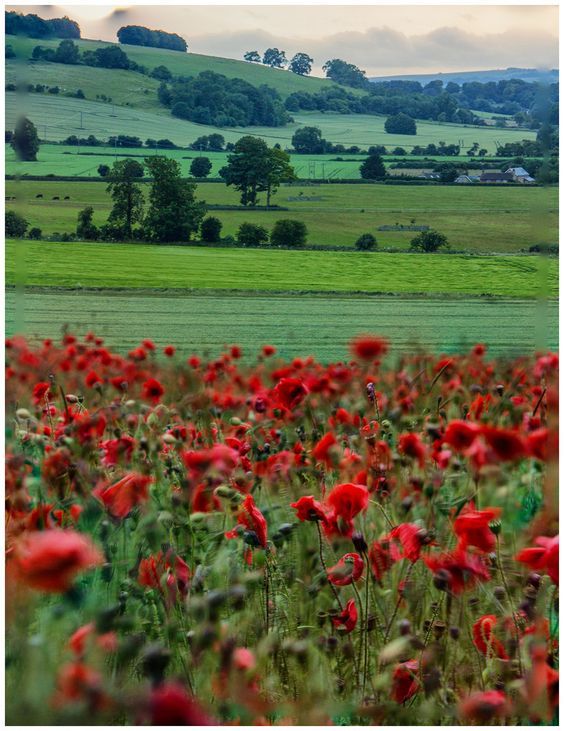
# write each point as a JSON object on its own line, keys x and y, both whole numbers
{"x": 460, "y": 77}
{"x": 186, "y": 64}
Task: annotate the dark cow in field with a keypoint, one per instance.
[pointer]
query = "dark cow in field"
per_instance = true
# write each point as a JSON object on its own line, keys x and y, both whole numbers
{"x": 67, "y": 197}
{"x": 55, "y": 198}
{"x": 39, "y": 195}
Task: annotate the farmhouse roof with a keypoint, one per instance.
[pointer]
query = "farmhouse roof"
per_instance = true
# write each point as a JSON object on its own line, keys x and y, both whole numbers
{"x": 518, "y": 172}
{"x": 496, "y": 178}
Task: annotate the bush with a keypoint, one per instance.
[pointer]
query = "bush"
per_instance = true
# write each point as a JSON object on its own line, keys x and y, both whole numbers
{"x": 250, "y": 234}
{"x": 366, "y": 242}
{"x": 15, "y": 225}
{"x": 400, "y": 124}
{"x": 35, "y": 233}
{"x": 288, "y": 232}
{"x": 211, "y": 230}
{"x": 373, "y": 168}
{"x": 103, "y": 171}
{"x": 429, "y": 241}
{"x": 200, "y": 167}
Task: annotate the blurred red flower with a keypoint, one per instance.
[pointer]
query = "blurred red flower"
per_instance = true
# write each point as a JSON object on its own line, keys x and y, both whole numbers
{"x": 405, "y": 681}
{"x": 472, "y": 528}
{"x": 349, "y": 568}
{"x": 543, "y": 557}
{"x": 347, "y": 619}
{"x": 484, "y": 638}
{"x": 124, "y": 495}
{"x": 368, "y": 347}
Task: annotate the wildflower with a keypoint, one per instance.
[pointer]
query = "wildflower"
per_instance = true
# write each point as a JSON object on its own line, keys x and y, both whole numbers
{"x": 348, "y": 569}
{"x": 411, "y": 446}
{"x": 41, "y": 392}
{"x": 382, "y": 555}
{"x": 460, "y": 569}
{"x": 307, "y": 508}
{"x": 125, "y": 495}
{"x": 50, "y": 560}
{"x": 405, "y": 681}
{"x": 368, "y": 347}
{"x": 325, "y": 449}
{"x": 507, "y": 445}
{"x": 412, "y": 539}
{"x": 542, "y": 557}
{"x": 77, "y": 682}
{"x": 461, "y": 434}
{"x": 472, "y": 528}
{"x": 289, "y": 393}
{"x": 152, "y": 390}
{"x": 169, "y": 570}
{"x": 347, "y": 619}
{"x": 169, "y": 351}
{"x": 485, "y": 640}
{"x": 250, "y": 517}
{"x": 171, "y": 705}
{"x": 484, "y": 706}
{"x": 348, "y": 500}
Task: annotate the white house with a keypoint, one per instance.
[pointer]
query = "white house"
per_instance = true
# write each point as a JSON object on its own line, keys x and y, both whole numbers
{"x": 520, "y": 175}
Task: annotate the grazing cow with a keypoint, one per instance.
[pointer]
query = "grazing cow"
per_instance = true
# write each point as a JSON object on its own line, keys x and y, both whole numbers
{"x": 55, "y": 198}
{"x": 39, "y": 195}
{"x": 67, "y": 197}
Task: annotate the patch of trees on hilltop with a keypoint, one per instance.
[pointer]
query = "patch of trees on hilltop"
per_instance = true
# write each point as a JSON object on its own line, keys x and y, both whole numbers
{"x": 33, "y": 26}
{"x": 138, "y": 35}
{"x": 213, "y": 99}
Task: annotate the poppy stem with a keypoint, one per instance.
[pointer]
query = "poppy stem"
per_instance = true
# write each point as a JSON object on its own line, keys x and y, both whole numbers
{"x": 509, "y": 601}
{"x": 335, "y": 593}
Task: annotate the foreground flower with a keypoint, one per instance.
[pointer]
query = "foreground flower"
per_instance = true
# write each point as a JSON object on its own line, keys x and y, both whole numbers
{"x": 457, "y": 571}
{"x": 50, "y": 560}
{"x": 347, "y": 619}
{"x": 348, "y": 500}
{"x": 542, "y": 558}
{"x": 346, "y": 570}
{"x": 472, "y": 528}
{"x": 307, "y": 508}
{"x": 171, "y": 705}
{"x": 250, "y": 518}
{"x": 125, "y": 495}
{"x": 484, "y": 707}
{"x": 368, "y": 347}
{"x": 405, "y": 681}
{"x": 485, "y": 640}
{"x": 289, "y": 393}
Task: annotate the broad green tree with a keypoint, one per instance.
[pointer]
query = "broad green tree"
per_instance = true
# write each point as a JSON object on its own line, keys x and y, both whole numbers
{"x": 126, "y": 195}
{"x": 301, "y": 64}
{"x": 174, "y": 214}
{"x": 373, "y": 168}
{"x": 25, "y": 140}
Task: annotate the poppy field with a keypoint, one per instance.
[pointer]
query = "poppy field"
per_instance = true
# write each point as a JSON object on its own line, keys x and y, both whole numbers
{"x": 257, "y": 540}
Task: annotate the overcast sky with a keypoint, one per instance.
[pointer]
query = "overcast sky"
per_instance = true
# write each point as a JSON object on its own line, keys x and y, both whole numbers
{"x": 379, "y": 39}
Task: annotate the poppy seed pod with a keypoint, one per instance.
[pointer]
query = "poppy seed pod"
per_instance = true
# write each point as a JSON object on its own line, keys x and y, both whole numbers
{"x": 359, "y": 542}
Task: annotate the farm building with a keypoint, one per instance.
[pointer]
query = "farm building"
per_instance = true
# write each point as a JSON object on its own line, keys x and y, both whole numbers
{"x": 430, "y": 176}
{"x": 496, "y": 177}
{"x": 520, "y": 175}
{"x": 467, "y": 179}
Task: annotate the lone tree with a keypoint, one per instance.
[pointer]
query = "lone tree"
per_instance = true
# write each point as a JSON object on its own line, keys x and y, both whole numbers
{"x": 15, "y": 225}
{"x": 252, "y": 56}
{"x": 126, "y": 196}
{"x": 429, "y": 241}
{"x": 308, "y": 141}
{"x": 366, "y": 242}
{"x": 200, "y": 167}
{"x": 373, "y": 168}
{"x": 253, "y": 168}
{"x": 400, "y": 124}
{"x": 288, "y": 232}
{"x": 25, "y": 140}
{"x": 174, "y": 213}
{"x": 301, "y": 64}
{"x": 85, "y": 229}
{"x": 210, "y": 230}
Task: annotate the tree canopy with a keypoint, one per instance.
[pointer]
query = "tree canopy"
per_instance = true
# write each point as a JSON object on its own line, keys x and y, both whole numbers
{"x": 138, "y": 35}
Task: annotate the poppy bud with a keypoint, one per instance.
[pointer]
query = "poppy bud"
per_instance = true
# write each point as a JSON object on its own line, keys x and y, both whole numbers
{"x": 251, "y": 538}
{"x": 286, "y": 528}
{"x": 371, "y": 623}
{"x": 358, "y": 542}
{"x": 154, "y": 661}
{"x": 439, "y": 629}
{"x": 332, "y": 643}
{"x": 499, "y": 593}
{"x": 454, "y": 632}
{"x": 500, "y": 389}
{"x": 473, "y": 601}
{"x": 260, "y": 405}
{"x": 534, "y": 580}
{"x": 495, "y": 527}
{"x": 441, "y": 580}
{"x": 370, "y": 391}
{"x": 404, "y": 627}
{"x": 321, "y": 617}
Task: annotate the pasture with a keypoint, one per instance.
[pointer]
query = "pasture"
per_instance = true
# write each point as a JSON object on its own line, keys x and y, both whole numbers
{"x": 478, "y": 219}
{"x": 57, "y": 117}
{"x": 299, "y": 324}
{"x": 143, "y": 266}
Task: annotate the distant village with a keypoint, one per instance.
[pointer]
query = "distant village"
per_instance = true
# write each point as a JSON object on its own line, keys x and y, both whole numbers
{"x": 511, "y": 175}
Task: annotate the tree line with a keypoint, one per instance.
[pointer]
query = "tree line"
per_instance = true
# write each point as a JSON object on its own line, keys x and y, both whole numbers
{"x": 139, "y": 35}
{"x": 33, "y": 26}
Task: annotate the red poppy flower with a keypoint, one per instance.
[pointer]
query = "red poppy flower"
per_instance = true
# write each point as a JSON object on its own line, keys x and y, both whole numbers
{"x": 459, "y": 569}
{"x": 268, "y": 350}
{"x": 169, "y": 351}
{"x": 124, "y": 495}
{"x": 412, "y": 539}
{"x": 368, "y": 347}
{"x": 50, "y": 560}
{"x": 289, "y": 393}
{"x": 77, "y": 682}
{"x": 484, "y": 638}
{"x": 543, "y": 557}
{"x": 347, "y": 569}
{"x": 382, "y": 555}
{"x": 411, "y": 446}
{"x": 307, "y": 508}
{"x": 152, "y": 390}
{"x": 347, "y": 619}
{"x": 171, "y": 705}
{"x": 250, "y": 517}
{"x": 541, "y": 686}
{"x": 507, "y": 445}
{"x": 461, "y": 434}
{"x": 348, "y": 500}
{"x": 41, "y": 392}
{"x": 324, "y": 450}
{"x": 170, "y": 571}
{"x": 472, "y": 528}
{"x": 405, "y": 681}
{"x": 482, "y": 707}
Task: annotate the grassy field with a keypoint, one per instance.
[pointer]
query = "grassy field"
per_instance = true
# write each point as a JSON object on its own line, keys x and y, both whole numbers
{"x": 481, "y": 219}
{"x": 57, "y": 117}
{"x": 142, "y": 266}
{"x": 298, "y": 324}
{"x": 185, "y": 64}
{"x": 81, "y": 161}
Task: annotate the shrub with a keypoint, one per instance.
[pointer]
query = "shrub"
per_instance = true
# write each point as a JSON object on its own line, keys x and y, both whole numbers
{"x": 211, "y": 230}
{"x": 15, "y": 225}
{"x": 400, "y": 124}
{"x": 251, "y": 234}
{"x": 85, "y": 229}
{"x": 35, "y": 233}
{"x": 429, "y": 241}
{"x": 103, "y": 171}
{"x": 288, "y": 232}
{"x": 366, "y": 242}
{"x": 373, "y": 168}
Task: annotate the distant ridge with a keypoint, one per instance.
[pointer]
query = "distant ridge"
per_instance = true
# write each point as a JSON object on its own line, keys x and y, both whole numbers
{"x": 547, "y": 76}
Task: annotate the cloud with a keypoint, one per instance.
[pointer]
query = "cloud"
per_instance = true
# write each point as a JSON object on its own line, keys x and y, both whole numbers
{"x": 385, "y": 50}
